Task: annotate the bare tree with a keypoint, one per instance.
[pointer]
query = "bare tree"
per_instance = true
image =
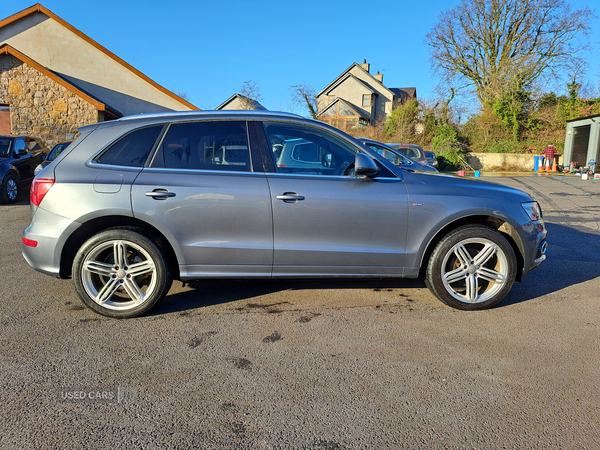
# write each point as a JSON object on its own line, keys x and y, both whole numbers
{"x": 500, "y": 46}
{"x": 250, "y": 92}
{"x": 305, "y": 96}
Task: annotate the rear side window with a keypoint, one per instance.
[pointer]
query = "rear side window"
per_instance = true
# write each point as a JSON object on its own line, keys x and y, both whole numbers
{"x": 205, "y": 146}
{"x": 132, "y": 150}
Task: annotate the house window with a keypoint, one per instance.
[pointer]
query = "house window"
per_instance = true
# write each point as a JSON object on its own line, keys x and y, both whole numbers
{"x": 366, "y": 100}
{"x": 330, "y": 99}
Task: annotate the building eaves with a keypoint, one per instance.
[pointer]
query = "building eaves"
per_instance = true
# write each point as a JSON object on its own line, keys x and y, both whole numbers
{"x": 98, "y": 104}
{"x": 41, "y": 9}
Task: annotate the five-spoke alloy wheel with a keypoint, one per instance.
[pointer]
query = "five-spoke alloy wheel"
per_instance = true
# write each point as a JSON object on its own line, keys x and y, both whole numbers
{"x": 472, "y": 268}
{"x": 120, "y": 273}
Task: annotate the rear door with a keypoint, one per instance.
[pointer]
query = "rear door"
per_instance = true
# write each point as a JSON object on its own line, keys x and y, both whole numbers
{"x": 208, "y": 194}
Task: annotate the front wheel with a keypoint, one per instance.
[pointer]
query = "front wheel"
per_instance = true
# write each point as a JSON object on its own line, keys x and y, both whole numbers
{"x": 120, "y": 273}
{"x": 472, "y": 268}
{"x": 9, "y": 190}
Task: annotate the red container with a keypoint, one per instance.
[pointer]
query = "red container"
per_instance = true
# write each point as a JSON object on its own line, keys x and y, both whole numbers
{"x": 461, "y": 173}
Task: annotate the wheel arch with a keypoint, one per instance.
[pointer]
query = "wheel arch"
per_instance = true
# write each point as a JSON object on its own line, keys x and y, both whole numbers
{"x": 502, "y": 226}
{"x": 9, "y": 169}
{"x": 96, "y": 225}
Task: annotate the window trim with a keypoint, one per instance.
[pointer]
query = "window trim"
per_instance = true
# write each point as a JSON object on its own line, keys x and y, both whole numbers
{"x": 369, "y": 98}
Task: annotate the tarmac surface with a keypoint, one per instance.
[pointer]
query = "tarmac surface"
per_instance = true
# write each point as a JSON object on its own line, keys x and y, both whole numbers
{"x": 313, "y": 364}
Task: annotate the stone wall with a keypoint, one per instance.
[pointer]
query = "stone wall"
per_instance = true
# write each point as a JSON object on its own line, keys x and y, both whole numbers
{"x": 39, "y": 106}
{"x": 503, "y": 161}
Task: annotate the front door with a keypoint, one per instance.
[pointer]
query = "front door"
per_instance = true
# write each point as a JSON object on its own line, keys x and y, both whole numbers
{"x": 329, "y": 222}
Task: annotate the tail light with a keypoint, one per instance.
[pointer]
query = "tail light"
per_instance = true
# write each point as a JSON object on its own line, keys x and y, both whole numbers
{"x": 39, "y": 188}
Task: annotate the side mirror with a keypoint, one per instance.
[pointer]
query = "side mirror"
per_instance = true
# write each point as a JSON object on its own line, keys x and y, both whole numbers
{"x": 365, "y": 166}
{"x": 21, "y": 152}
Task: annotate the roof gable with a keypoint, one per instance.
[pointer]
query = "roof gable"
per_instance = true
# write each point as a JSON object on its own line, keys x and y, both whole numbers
{"x": 353, "y": 108}
{"x": 360, "y": 69}
{"x": 242, "y": 98}
{"x": 39, "y": 9}
{"x": 8, "y": 50}
{"x": 351, "y": 78}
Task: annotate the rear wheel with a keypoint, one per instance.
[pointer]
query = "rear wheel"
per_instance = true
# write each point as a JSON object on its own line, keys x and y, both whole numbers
{"x": 9, "y": 191}
{"x": 472, "y": 268}
{"x": 120, "y": 273}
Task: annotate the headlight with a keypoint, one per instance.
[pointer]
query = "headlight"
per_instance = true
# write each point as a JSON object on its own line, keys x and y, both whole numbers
{"x": 37, "y": 170}
{"x": 533, "y": 210}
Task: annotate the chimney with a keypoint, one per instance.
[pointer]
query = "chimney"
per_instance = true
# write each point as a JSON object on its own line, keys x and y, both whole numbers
{"x": 365, "y": 65}
{"x": 379, "y": 77}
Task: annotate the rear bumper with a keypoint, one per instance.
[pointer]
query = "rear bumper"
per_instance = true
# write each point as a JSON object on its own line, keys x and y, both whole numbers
{"x": 48, "y": 230}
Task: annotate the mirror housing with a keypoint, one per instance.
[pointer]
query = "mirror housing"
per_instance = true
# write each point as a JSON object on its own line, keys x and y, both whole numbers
{"x": 365, "y": 166}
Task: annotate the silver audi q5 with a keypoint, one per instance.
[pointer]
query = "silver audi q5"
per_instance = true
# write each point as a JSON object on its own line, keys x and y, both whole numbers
{"x": 135, "y": 203}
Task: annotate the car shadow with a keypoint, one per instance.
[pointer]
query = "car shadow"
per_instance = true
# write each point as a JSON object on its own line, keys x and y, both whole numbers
{"x": 215, "y": 292}
{"x": 573, "y": 257}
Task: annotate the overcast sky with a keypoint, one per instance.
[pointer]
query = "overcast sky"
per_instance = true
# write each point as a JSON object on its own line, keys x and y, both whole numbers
{"x": 206, "y": 49}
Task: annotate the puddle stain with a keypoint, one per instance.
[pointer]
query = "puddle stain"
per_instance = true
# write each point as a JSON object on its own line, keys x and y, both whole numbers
{"x": 195, "y": 342}
{"x": 241, "y": 363}
{"x": 273, "y": 338}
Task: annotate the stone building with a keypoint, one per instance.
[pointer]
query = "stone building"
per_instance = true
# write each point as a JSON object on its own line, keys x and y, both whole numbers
{"x": 54, "y": 79}
{"x": 357, "y": 98}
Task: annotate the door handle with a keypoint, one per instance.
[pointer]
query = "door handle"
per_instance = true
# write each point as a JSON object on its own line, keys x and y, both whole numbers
{"x": 290, "y": 197}
{"x": 160, "y": 194}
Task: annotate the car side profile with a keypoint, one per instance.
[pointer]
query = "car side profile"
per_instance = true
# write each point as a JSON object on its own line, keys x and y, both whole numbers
{"x": 395, "y": 156}
{"x": 413, "y": 151}
{"x": 51, "y": 156}
{"x": 136, "y": 203}
{"x": 19, "y": 156}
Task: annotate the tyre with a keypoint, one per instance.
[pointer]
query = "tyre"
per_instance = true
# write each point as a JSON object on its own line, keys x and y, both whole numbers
{"x": 9, "y": 191}
{"x": 120, "y": 273}
{"x": 472, "y": 268}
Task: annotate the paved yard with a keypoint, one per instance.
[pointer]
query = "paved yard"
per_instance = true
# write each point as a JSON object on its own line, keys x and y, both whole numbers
{"x": 312, "y": 365}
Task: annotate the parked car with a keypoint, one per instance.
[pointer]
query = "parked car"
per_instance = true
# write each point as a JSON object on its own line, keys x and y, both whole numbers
{"x": 19, "y": 155}
{"x": 413, "y": 151}
{"x": 395, "y": 156}
{"x": 56, "y": 150}
{"x": 431, "y": 159}
{"x": 135, "y": 203}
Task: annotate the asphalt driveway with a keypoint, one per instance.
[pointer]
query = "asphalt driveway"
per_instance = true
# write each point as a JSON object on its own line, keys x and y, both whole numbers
{"x": 312, "y": 364}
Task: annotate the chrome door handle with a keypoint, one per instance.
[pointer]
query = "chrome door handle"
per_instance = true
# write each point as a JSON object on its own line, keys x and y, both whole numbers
{"x": 160, "y": 194}
{"x": 290, "y": 197}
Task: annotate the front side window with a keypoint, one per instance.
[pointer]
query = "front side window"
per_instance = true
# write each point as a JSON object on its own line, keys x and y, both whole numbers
{"x": 305, "y": 150}
{"x": 207, "y": 146}
{"x": 19, "y": 145}
{"x": 132, "y": 150}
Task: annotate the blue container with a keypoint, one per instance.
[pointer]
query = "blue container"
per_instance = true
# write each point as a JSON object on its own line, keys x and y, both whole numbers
{"x": 536, "y": 163}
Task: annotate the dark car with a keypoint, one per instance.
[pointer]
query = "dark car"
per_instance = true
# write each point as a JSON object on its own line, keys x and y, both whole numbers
{"x": 396, "y": 156}
{"x": 138, "y": 202}
{"x": 56, "y": 150}
{"x": 413, "y": 151}
{"x": 431, "y": 159}
{"x": 19, "y": 156}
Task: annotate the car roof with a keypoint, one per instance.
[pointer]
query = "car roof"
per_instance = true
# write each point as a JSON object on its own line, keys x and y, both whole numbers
{"x": 176, "y": 116}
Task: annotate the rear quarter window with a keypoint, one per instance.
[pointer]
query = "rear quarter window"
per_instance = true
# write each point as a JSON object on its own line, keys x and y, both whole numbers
{"x": 131, "y": 150}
